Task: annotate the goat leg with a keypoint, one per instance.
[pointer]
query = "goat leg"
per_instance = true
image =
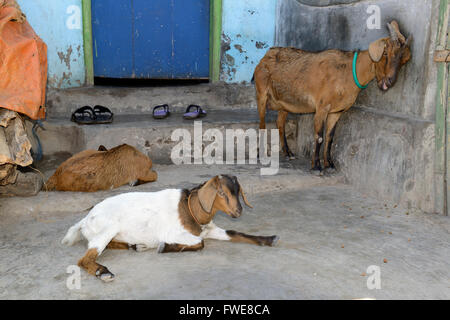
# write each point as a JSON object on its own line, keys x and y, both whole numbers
{"x": 177, "y": 247}
{"x": 316, "y": 157}
{"x": 261, "y": 77}
{"x": 281, "y": 125}
{"x": 214, "y": 232}
{"x": 133, "y": 183}
{"x": 246, "y": 238}
{"x": 319, "y": 123}
{"x": 262, "y": 105}
{"x": 150, "y": 176}
{"x": 92, "y": 267}
{"x": 328, "y": 162}
{"x": 332, "y": 120}
{"x": 286, "y": 150}
{"x": 117, "y": 245}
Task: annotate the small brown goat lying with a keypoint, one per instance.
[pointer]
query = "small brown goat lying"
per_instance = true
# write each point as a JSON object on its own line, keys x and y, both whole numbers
{"x": 297, "y": 81}
{"x": 90, "y": 170}
{"x": 171, "y": 220}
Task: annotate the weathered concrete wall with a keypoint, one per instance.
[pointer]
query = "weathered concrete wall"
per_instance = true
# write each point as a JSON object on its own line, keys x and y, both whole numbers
{"x": 391, "y": 157}
{"x": 59, "y": 24}
{"x": 248, "y": 31}
{"x": 386, "y": 146}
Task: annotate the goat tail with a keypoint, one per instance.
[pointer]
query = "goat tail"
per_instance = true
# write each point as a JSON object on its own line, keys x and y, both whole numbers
{"x": 73, "y": 235}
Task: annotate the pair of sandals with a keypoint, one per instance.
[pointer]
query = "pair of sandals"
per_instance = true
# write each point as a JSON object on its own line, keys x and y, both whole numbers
{"x": 162, "y": 112}
{"x": 88, "y": 115}
{"x": 101, "y": 115}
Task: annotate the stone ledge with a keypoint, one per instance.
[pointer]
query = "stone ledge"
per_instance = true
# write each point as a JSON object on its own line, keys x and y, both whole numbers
{"x": 122, "y": 100}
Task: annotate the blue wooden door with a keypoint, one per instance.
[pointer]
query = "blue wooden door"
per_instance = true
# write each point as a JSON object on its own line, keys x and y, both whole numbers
{"x": 151, "y": 39}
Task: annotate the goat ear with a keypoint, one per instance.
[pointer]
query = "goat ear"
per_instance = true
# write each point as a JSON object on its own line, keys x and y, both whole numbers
{"x": 207, "y": 194}
{"x": 244, "y": 197}
{"x": 394, "y": 26}
{"x": 376, "y": 49}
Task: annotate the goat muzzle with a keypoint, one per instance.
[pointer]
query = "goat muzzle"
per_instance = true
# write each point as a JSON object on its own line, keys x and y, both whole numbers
{"x": 383, "y": 85}
{"x": 235, "y": 213}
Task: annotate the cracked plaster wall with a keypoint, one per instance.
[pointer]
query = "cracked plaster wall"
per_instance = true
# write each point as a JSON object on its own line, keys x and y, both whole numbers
{"x": 248, "y": 31}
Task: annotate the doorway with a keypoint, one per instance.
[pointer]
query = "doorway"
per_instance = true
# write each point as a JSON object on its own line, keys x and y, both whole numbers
{"x": 157, "y": 39}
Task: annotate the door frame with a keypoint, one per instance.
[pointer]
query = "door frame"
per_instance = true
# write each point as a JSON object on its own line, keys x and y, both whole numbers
{"x": 214, "y": 40}
{"x": 87, "y": 42}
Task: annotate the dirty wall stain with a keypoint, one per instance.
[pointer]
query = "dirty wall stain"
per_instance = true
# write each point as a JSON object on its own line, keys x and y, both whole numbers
{"x": 65, "y": 58}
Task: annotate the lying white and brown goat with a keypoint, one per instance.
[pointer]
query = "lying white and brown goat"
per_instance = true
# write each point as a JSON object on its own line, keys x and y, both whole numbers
{"x": 102, "y": 169}
{"x": 172, "y": 220}
{"x": 291, "y": 80}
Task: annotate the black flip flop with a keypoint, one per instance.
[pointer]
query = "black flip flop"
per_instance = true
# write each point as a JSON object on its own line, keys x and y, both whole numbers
{"x": 161, "y": 112}
{"x": 198, "y": 113}
{"x": 84, "y": 115}
{"x": 103, "y": 115}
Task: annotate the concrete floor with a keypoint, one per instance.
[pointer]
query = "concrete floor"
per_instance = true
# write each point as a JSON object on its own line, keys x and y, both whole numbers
{"x": 329, "y": 235}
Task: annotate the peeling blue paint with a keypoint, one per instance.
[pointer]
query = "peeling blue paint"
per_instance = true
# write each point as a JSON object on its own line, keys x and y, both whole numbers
{"x": 248, "y": 32}
{"x": 59, "y": 24}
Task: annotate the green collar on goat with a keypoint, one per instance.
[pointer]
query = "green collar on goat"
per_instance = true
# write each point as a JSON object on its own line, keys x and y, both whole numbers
{"x": 355, "y": 77}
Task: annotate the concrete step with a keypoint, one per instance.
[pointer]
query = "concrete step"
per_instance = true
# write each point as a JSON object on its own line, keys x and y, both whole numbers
{"x": 123, "y": 100}
{"x": 152, "y": 137}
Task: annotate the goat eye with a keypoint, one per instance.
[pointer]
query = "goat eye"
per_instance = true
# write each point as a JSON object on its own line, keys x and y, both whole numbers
{"x": 224, "y": 195}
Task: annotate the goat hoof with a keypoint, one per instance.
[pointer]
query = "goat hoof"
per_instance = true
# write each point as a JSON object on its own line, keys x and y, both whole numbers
{"x": 105, "y": 276}
{"x": 274, "y": 241}
{"x": 289, "y": 155}
{"x": 161, "y": 247}
{"x": 133, "y": 183}
{"x": 329, "y": 165}
{"x": 289, "y": 158}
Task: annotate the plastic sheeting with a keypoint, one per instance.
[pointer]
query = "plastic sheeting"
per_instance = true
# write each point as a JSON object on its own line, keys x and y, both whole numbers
{"x": 23, "y": 63}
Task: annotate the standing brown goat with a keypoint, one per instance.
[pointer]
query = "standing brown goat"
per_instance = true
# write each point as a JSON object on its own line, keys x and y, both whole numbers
{"x": 298, "y": 81}
{"x": 91, "y": 170}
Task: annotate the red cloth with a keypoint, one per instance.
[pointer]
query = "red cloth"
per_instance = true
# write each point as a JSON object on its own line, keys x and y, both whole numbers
{"x": 23, "y": 63}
